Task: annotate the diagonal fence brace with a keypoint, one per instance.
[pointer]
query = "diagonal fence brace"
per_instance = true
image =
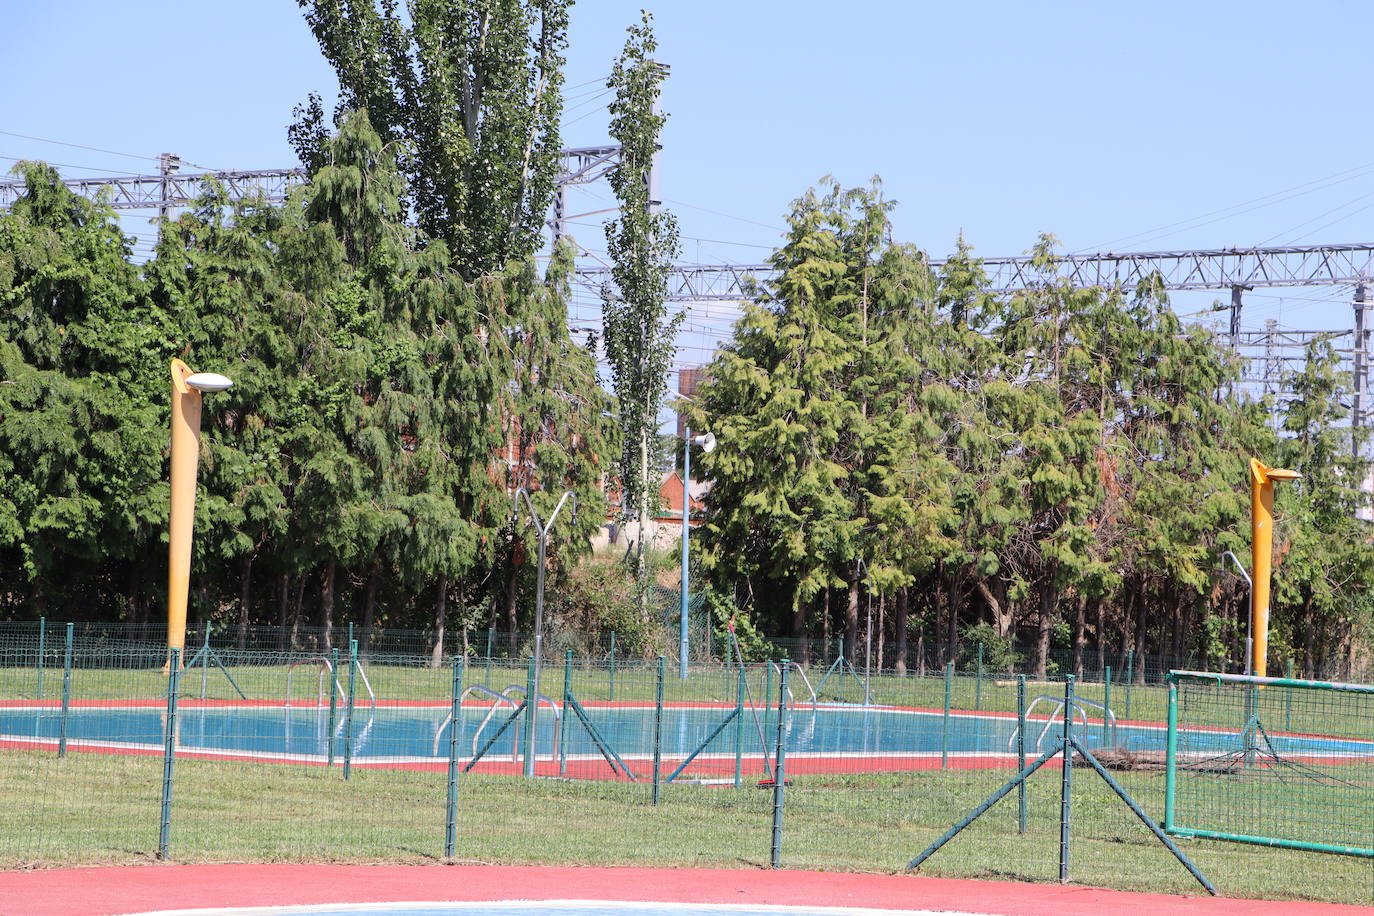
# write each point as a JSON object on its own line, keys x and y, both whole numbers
{"x": 702, "y": 746}
{"x": 499, "y": 732}
{"x": 602, "y": 745}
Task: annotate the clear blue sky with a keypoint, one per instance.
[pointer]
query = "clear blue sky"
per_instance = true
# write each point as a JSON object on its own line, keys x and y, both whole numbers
{"x": 1098, "y": 122}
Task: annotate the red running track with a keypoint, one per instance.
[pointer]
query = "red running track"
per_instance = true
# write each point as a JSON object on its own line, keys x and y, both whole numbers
{"x": 104, "y": 891}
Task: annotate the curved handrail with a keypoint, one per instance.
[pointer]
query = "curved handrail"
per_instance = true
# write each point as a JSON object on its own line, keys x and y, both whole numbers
{"x": 448, "y": 719}
{"x": 792, "y": 665}
{"x": 540, "y": 699}
{"x": 324, "y": 666}
{"x": 1078, "y": 712}
{"x": 515, "y": 750}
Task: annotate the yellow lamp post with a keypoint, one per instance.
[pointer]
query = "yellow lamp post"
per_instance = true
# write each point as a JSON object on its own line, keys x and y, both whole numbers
{"x": 186, "y": 401}
{"x": 1262, "y": 479}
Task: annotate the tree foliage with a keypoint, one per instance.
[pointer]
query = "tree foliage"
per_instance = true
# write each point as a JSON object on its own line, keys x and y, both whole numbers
{"x": 641, "y": 241}
{"x": 1064, "y": 466}
{"x": 472, "y": 94}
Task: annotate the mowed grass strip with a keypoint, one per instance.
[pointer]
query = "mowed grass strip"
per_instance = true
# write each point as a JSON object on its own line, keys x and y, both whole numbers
{"x": 99, "y": 809}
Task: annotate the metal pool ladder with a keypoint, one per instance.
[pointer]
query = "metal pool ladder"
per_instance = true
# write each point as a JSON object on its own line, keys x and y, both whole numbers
{"x": 795, "y": 666}
{"x": 448, "y": 719}
{"x": 325, "y": 666}
{"x": 1058, "y": 715}
{"x": 505, "y": 696}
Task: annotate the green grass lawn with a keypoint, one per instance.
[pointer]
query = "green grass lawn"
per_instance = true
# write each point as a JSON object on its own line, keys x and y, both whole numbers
{"x": 100, "y": 809}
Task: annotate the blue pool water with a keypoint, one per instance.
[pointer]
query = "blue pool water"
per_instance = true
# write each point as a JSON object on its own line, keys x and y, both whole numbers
{"x": 422, "y": 733}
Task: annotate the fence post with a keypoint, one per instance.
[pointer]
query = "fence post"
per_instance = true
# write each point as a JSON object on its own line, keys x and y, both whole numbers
{"x": 1107, "y": 735}
{"x": 66, "y": 693}
{"x": 1170, "y": 758}
{"x": 944, "y": 722}
{"x": 768, "y": 692}
{"x": 612, "y": 688}
{"x": 739, "y": 726}
{"x": 658, "y": 728}
{"x": 531, "y": 717}
{"x": 169, "y": 754}
{"x": 42, "y": 634}
{"x": 451, "y": 813}
{"x": 978, "y": 684}
{"x": 333, "y": 699}
{"x": 1021, "y": 751}
{"x": 563, "y": 733}
{"x": 779, "y": 769}
{"x": 204, "y": 657}
{"x": 1066, "y": 782}
{"x": 348, "y": 713}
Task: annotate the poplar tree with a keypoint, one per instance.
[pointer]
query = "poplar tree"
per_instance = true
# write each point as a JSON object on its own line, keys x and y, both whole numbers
{"x": 473, "y": 93}
{"x": 638, "y": 333}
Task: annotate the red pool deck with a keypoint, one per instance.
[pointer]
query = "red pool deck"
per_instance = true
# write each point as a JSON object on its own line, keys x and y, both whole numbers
{"x": 139, "y": 889}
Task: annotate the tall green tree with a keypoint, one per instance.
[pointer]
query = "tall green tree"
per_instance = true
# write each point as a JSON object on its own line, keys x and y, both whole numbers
{"x": 641, "y": 242}
{"x": 472, "y": 92}
{"x": 81, "y": 430}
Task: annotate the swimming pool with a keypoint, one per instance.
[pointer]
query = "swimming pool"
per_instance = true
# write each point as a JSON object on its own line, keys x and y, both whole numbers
{"x": 832, "y": 738}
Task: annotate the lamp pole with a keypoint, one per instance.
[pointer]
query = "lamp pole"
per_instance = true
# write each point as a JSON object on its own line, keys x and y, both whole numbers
{"x": 543, "y": 528}
{"x": 1250, "y": 587}
{"x": 1262, "y": 479}
{"x": 707, "y": 443}
{"x": 186, "y": 404}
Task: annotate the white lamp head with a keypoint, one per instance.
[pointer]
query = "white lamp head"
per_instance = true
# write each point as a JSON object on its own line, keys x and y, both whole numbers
{"x": 208, "y": 381}
{"x": 706, "y": 441}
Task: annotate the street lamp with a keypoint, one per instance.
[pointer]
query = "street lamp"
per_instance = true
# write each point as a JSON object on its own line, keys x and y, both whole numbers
{"x": 532, "y": 691}
{"x": 186, "y": 403}
{"x": 1262, "y": 479}
{"x": 707, "y": 441}
{"x": 1250, "y": 586}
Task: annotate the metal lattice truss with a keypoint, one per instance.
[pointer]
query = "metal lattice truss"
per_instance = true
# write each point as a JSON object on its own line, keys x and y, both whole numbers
{"x": 177, "y": 189}
{"x": 156, "y": 192}
{"x": 1222, "y": 268}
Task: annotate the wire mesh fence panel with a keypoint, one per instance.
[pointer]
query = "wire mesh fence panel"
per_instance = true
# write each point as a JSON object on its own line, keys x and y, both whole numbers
{"x": 80, "y": 757}
{"x": 1284, "y": 762}
{"x": 320, "y": 757}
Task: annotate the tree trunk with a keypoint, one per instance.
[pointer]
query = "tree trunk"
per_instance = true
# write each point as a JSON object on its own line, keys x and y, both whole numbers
{"x": 327, "y": 603}
{"x": 300, "y": 610}
{"x": 512, "y": 586}
{"x": 1101, "y": 636}
{"x": 882, "y": 630}
{"x": 825, "y": 624}
{"x": 851, "y": 615}
{"x": 1141, "y": 621}
{"x": 1000, "y": 619}
{"x": 799, "y": 629}
{"x": 370, "y": 604}
{"x": 283, "y": 609}
{"x": 899, "y": 633}
{"x": 440, "y": 608}
{"x": 642, "y": 570}
{"x": 245, "y": 592}
{"x": 1309, "y": 654}
{"x": 1049, "y": 603}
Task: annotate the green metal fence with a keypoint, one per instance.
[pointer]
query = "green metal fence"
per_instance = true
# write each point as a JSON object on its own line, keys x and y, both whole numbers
{"x": 313, "y": 756}
{"x": 1272, "y": 762}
